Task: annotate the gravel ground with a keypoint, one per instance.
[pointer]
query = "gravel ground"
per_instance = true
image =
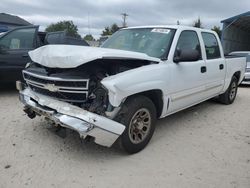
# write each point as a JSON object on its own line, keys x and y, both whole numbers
{"x": 207, "y": 145}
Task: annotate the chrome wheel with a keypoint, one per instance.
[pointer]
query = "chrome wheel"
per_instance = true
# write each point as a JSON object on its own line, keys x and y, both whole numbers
{"x": 233, "y": 91}
{"x": 139, "y": 126}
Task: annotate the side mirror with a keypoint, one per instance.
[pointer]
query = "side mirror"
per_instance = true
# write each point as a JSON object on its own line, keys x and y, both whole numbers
{"x": 186, "y": 55}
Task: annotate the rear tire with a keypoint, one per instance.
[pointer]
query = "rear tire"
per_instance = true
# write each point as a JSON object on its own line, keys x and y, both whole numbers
{"x": 138, "y": 114}
{"x": 229, "y": 96}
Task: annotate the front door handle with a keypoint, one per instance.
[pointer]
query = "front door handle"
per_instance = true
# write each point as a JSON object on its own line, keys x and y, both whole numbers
{"x": 221, "y": 66}
{"x": 203, "y": 69}
{"x": 25, "y": 55}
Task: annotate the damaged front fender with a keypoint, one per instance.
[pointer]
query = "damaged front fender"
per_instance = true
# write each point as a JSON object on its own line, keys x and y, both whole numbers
{"x": 125, "y": 84}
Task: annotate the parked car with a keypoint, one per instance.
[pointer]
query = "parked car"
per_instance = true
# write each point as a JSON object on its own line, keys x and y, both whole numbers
{"x": 15, "y": 45}
{"x": 246, "y": 54}
{"x": 140, "y": 74}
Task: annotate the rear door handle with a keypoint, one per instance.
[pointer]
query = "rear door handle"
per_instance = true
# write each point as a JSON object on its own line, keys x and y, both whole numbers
{"x": 221, "y": 66}
{"x": 203, "y": 69}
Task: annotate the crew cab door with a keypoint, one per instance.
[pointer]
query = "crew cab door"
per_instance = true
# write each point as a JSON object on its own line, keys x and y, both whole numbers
{"x": 215, "y": 64}
{"x": 14, "y": 48}
{"x": 188, "y": 78}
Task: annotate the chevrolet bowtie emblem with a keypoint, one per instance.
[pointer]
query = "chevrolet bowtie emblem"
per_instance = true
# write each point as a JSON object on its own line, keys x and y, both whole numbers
{"x": 51, "y": 87}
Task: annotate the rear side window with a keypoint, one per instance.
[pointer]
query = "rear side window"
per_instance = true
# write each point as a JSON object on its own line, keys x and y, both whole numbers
{"x": 188, "y": 40}
{"x": 211, "y": 45}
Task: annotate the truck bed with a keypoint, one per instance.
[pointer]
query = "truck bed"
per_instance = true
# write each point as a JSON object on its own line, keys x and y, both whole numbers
{"x": 234, "y": 64}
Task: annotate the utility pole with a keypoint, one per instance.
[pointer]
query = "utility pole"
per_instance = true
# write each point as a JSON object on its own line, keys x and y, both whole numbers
{"x": 124, "y": 17}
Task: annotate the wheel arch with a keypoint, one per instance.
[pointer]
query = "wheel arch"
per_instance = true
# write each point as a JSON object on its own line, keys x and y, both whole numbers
{"x": 156, "y": 96}
{"x": 237, "y": 75}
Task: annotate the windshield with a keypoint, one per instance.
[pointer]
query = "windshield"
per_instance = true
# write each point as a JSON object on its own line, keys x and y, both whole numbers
{"x": 154, "y": 42}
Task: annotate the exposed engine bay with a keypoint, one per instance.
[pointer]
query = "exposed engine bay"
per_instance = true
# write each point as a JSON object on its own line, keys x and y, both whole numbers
{"x": 80, "y": 86}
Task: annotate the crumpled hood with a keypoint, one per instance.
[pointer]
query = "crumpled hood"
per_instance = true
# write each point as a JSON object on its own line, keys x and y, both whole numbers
{"x": 69, "y": 56}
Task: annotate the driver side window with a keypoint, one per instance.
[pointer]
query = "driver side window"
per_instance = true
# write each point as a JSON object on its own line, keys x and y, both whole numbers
{"x": 18, "y": 39}
{"x": 188, "y": 40}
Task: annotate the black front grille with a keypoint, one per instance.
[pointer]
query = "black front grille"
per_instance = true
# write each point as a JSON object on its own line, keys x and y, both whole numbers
{"x": 69, "y": 90}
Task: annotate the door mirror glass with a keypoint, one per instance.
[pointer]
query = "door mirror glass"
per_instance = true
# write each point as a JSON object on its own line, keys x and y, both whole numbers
{"x": 186, "y": 55}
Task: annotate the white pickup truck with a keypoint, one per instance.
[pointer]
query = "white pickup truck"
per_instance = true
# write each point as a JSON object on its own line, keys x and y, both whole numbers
{"x": 138, "y": 75}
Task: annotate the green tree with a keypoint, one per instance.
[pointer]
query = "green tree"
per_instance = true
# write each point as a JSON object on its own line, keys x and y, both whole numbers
{"x": 217, "y": 30}
{"x": 89, "y": 37}
{"x": 69, "y": 26}
{"x": 109, "y": 30}
{"x": 114, "y": 28}
{"x": 106, "y": 31}
{"x": 197, "y": 23}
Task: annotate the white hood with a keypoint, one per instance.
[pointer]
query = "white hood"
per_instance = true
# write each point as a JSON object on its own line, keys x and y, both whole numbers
{"x": 69, "y": 56}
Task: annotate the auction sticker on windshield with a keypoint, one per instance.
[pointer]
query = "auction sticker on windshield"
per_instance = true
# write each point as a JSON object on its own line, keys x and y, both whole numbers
{"x": 161, "y": 30}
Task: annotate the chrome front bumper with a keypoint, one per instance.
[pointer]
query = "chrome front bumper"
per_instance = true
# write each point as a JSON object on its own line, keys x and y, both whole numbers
{"x": 104, "y": 130}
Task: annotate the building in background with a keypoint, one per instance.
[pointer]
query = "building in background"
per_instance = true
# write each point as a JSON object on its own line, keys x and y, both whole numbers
{"x": 8, "y": 22}
{"x": 236, "y": 33}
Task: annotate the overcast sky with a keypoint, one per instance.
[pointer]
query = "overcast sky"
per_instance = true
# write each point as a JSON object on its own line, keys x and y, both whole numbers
{"x": 101, "y": 13}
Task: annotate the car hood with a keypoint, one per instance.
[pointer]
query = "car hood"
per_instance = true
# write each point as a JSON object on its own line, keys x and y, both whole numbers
{"x": 68, "y": 56}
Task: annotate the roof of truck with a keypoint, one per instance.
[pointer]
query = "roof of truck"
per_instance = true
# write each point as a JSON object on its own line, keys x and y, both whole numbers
{"x": 170, "y": 27}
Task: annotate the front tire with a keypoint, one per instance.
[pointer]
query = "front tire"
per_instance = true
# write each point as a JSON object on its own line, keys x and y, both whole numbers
{"x": 229, "y": 96}
{"x": 138, "y": 114}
